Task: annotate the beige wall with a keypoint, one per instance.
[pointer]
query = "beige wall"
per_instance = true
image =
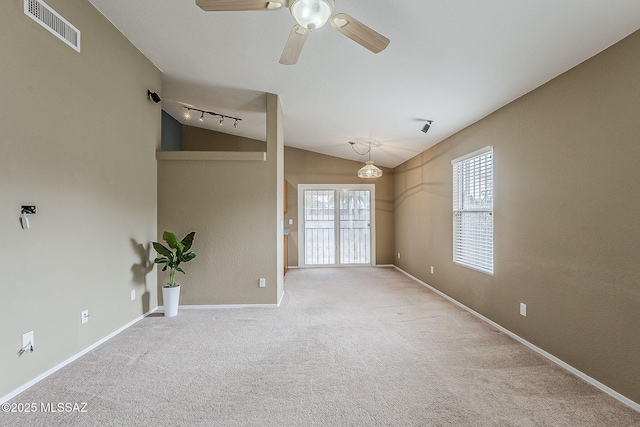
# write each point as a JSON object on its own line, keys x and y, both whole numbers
{"x": 77, "y": 139}
{"x": 233, "y": 207}
{"x": 566, "y": 217}
{"x": 306, "y": 167}
{"x": 198, "y": 139}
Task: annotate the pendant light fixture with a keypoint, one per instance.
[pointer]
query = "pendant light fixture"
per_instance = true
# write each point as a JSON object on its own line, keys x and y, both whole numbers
{"x": 369, "y": 170}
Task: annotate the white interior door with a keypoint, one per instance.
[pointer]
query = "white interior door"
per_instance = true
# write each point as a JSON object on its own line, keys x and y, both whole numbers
{"x": 336, "y": 224}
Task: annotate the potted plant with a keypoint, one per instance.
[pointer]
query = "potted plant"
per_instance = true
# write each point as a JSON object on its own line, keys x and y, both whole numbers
{"x": 177, "y": 253}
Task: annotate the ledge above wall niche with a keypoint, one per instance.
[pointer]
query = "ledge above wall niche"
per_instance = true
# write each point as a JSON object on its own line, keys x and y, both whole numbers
{"x": 207, "y": 145}
{"x": 212, "y": 155}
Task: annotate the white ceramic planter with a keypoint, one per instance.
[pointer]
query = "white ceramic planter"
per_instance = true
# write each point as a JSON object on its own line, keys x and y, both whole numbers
{"x": 171, "y": 300}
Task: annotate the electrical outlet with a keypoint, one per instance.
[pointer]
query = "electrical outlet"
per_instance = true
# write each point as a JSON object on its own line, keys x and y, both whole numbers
{"x": 27, "y": 341}
{"x": 523, "y": 309}
{"x": 432, "y": 269}
{"x": 133, "y": 295}
{"x": 263, "y": 282}
{"x": 290, "y": 221}
{"x": 84, "y": 316}
{"x": 398, "y": 255}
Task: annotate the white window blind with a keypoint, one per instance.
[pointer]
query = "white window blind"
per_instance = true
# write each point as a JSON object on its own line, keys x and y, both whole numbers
{"x": 473, "y": 210}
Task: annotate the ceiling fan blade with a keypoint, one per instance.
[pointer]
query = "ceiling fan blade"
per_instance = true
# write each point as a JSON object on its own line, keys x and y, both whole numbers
{"x": 235, "y": 5}
{"x": 294, "y": 45}
{"x": 359, "y": 33}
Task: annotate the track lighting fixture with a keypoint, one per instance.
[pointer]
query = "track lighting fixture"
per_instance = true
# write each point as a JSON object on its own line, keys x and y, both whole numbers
{"x": 153, "y": 96}
{"x": 369, "y": 170}
{"x": 236, "y": 120}
{"x": 427, "y": 126}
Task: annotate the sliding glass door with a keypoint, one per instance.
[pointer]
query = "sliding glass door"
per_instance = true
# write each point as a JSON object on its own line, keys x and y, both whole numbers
{"x": 336, "y": 224}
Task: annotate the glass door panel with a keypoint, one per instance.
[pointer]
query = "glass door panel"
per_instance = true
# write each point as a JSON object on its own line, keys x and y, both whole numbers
{"x": 355, "y": 227}
{"x": 319, "y": 227}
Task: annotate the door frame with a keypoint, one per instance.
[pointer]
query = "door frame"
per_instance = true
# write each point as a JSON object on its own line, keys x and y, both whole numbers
{"x": 335, "y": 187}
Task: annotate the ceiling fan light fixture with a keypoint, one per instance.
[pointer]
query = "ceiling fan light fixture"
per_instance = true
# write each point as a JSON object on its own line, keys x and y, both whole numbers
{"x": 311, "y": 14}
{"x": 369, "y": 170}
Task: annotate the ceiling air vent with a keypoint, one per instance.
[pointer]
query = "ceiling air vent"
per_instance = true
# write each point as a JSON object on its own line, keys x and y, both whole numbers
{"x": 40, "y": 12}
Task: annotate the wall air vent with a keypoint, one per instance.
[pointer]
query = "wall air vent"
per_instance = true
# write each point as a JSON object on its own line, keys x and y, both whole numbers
{"x": 42, "y": 13}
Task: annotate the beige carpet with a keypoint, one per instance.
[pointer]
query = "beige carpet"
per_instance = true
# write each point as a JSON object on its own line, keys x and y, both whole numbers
{"x": 348, "y": 347}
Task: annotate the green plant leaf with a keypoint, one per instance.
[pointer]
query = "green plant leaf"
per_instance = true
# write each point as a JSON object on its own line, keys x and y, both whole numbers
{"x": 160, "y": 260}
{"x": 171, "y": 239}
{"x": 161, "y": 249}
{"x": 188, "y": 256}
{"x": 179, "y": 250}
{"x": 188, "y": 240}
{"x": 179, "y": 269}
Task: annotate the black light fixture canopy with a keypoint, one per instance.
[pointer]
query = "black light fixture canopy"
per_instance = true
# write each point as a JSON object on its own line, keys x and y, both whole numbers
{"x": 153, "y": 96}
{"x": 427, "y": 126}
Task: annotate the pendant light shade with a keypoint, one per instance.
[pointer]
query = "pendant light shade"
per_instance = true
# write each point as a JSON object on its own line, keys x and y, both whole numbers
{"x": 369, "y": 170}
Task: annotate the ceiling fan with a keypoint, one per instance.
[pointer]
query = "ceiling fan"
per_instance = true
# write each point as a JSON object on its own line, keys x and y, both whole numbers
{"x": 309, "y": 15}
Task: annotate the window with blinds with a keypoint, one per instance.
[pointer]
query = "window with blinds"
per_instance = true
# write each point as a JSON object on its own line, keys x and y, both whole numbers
{"x": 473, "y": 210}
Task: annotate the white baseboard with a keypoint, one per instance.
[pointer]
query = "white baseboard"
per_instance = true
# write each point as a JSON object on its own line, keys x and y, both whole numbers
{"x": 559, "y": 362}
{"x": 294, "y": 267}
{"x": 61, "y": 365}
{"x": 281, "y": 298}
{"x": 221, "y": 306}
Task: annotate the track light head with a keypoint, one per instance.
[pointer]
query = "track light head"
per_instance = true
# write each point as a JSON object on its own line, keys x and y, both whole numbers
{"x": 153, "y": 96}
{"x": 235, "y": 124}
{"x": 427, "y": 126}
{"x": 221, "y": 120}
{"x": 201, "y": 117}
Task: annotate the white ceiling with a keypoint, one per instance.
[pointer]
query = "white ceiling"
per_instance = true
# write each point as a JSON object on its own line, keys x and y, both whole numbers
{"x": 450, "y": 61}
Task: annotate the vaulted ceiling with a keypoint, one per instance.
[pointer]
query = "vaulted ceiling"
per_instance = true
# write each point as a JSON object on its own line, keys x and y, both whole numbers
{"x": 453, "y": 62}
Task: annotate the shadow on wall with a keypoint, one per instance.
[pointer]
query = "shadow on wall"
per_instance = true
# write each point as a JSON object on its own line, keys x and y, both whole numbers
{"x": 438, "y": 188}
{"x": 141, "y": 270}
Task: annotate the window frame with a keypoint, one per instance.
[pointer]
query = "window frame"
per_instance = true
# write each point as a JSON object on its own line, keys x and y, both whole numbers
{"x": 482, "y": 245}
